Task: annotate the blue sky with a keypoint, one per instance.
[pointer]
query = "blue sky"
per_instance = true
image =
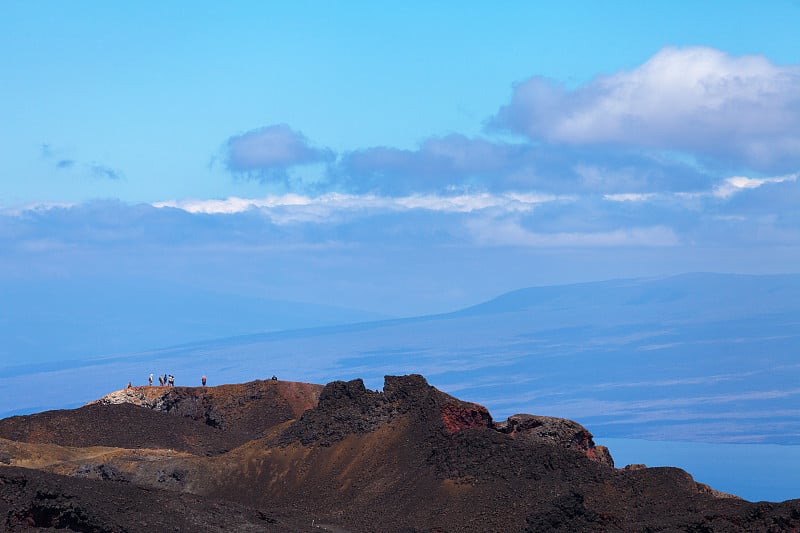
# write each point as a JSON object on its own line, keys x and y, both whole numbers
{"x": 398, "y": 158}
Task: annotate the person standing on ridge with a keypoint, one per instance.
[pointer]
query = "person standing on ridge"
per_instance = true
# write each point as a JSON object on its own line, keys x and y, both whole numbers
{"x": 203, "y": 380}
{"x": 151, "y": 379}
{"x": 171, "y": 380}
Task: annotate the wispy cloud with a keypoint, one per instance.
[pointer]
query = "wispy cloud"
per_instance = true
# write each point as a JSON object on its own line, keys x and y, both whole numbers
{"x": 234, "y": 204}
{"x": 105, "y": 172}
{"x": 750, "y": 405}
{"x": 731, "y": 186}
{"x": 629, "y": 197}
{"x": 61, "y": 160}
{"x": 459, "y": 203}
{"x": 33, "y": 208}
{"x": 508, "y": 232}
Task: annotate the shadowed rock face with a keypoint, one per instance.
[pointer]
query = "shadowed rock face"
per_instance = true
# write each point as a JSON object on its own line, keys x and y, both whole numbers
{"x": 119, "y": 425}
{"x": 273, "y": 456}
{"x": 39, "y": 501}
{"x": 347, "y": 408}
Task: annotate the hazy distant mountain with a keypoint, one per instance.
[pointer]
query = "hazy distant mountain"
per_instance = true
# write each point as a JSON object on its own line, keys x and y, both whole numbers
{"x": 45, "y": 322}
{"x": 683, "y": 297}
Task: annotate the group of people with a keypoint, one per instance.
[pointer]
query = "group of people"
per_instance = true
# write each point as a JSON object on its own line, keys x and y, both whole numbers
{"x": 163, "y": 379}
{"x": 168, "y": 380}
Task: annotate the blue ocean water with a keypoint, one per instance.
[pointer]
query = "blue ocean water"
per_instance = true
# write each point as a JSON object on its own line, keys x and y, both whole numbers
{"x": 754, "y": 472}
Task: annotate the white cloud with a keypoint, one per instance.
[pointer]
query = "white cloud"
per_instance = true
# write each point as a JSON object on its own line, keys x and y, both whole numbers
{"x": 736, "y": 184}
{"x": 724, "y": 189}
{"x": 629, "y": 197}
{"x": 693, "y": 99}
{"x": 465, "y": 203}
{"x": 328, "y": 203}
{"x": 34, "y": 207}
{"x": 234, "y": 204}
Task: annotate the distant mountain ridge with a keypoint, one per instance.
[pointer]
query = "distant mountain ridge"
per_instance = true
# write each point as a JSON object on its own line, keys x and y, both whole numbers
{"x": 732, "y": 294}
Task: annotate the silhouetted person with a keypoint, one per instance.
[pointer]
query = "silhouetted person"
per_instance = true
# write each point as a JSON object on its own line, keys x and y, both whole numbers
{"x": 151, "y": 379}
{"x": 203, "y": 379}
{"x": 171, "y": 380}
{"x": 129, "y": 385}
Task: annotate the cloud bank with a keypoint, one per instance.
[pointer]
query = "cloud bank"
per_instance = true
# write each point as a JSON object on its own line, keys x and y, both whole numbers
{"x": 680, "y": 122}
{"x": 732, "y": 212}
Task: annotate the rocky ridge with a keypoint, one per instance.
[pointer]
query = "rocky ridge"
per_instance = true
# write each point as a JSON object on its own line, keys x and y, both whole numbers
{"x": 282, "y": 456}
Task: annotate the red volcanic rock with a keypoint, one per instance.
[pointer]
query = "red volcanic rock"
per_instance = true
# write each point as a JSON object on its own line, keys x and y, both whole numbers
{"x": 460, "y": 416}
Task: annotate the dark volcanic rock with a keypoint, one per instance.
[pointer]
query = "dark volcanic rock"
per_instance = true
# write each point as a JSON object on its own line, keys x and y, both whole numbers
{"x": 120, "y": 425}
{"x": 246, "y": 410}
{"x": 344, "y": 408}
{"x": 32, "y": 500}
{"x": 102, "y": 471}
{"x": 347, "y": 408}
{"x": 557, "y": 431}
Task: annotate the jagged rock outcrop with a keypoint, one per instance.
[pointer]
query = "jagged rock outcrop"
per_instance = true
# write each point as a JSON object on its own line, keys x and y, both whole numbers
{"x": 346, "y": 408}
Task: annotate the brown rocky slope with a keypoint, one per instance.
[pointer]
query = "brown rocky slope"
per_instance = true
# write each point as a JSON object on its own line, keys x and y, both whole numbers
{"x": 281, "y": 456}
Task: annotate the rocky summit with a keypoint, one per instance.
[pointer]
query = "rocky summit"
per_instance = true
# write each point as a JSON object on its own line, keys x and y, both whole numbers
{"x": 283, "y": 456}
